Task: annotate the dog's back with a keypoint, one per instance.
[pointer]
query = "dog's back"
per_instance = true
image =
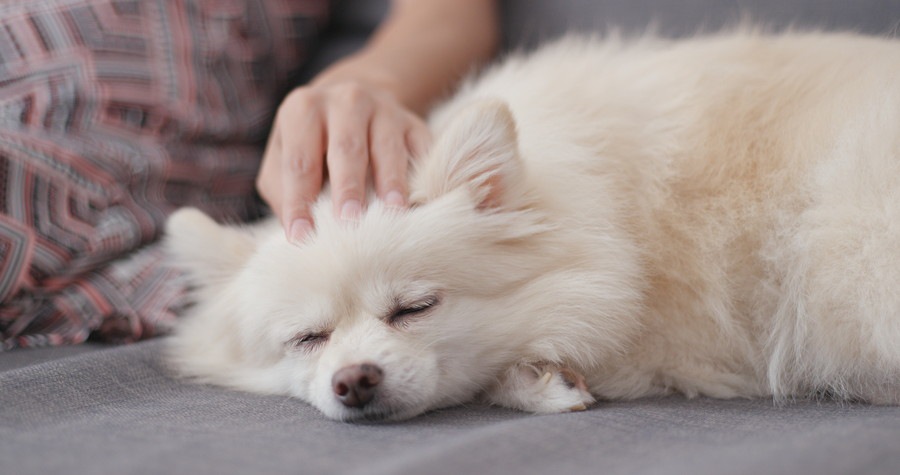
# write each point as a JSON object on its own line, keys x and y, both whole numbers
{"x": 759, "y": 177}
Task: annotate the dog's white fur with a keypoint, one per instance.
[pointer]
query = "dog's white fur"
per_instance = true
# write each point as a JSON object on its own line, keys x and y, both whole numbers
{"x": 715, "y": 216}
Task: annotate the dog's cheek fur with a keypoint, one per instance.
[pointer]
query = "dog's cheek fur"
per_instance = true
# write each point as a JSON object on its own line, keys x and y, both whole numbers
{"x": 205, "y": 345}
{"x": 475, "y": 339}
{"x": 223, "y": 341}
{"x": 225, "y": 337}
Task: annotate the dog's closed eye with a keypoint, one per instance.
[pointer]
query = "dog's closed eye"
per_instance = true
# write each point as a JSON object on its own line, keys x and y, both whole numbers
{"x": 308, "y": 341}
{"x": 404, "y": 311}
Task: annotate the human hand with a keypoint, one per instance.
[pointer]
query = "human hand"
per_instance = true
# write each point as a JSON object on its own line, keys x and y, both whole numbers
{"x": 348, "y": 127}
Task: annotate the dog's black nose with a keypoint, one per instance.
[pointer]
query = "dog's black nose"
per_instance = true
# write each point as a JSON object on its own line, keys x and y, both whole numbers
{"x": 355, "y": 385}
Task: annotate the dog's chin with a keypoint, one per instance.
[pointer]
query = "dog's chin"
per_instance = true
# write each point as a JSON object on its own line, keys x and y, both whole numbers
{"x": 376, "y": 413}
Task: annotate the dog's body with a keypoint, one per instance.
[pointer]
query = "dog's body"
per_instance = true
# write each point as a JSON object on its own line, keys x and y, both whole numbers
{"x": 718, "y": 216}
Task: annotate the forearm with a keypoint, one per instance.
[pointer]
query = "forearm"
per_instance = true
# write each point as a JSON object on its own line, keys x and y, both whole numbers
{"x": 423, "y": 49}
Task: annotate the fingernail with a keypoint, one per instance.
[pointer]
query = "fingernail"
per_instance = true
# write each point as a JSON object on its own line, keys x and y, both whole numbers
{"x": 351, "y": 210}
{"x": 394, "y": 199}
{"x": 300, "y": 228}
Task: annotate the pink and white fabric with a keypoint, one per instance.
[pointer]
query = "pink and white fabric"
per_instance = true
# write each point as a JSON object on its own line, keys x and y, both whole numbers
{"x": 112, "y": 114}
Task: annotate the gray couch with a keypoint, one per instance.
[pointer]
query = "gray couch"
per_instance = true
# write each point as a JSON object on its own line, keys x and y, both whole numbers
{"x": 96, "y": 409}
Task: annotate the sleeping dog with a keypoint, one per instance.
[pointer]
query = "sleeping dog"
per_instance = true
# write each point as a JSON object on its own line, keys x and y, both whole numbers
{"x": 599, "y": 219}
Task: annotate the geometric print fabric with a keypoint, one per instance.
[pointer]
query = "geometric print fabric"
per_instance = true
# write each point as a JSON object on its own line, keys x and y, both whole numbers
{"x": 113, "y": 113}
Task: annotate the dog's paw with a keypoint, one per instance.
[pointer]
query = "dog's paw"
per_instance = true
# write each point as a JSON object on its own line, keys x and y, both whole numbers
{"x": 542, "y": 388}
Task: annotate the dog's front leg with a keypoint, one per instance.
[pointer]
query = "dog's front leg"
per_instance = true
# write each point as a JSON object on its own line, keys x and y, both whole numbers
{"x": 541, "y": 387}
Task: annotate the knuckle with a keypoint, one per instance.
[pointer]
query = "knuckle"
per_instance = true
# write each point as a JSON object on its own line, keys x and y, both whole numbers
{"x": 298, "y": 99}
{"x": 301, "y": 96}
{"x": 388, "y": 146}
{"x": 351, "y": 146}
{"x": 297, "y": 208}
{"x": 351, "y": 91}
{"x": 263, "y": 178}
{"x": 267, "y": 195}
{"x": 348, "y": 189}
{"x": 352, "y": 95}
{"x": 261, "y": 188}
{"x": 303, "y": 165}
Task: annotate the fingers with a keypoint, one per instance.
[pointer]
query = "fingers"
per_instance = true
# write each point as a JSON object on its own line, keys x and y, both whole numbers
{"x": 268, "y": 183}
{"x": 396, "y": 139}
{"x": 344, "y": 127}
{"x": 301, "y": 170}
{"x": 348, "y": 152}
{"x": 390, "y": 156}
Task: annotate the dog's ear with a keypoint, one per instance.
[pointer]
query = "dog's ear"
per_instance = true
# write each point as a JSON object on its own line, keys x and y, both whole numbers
{"x": 208, "y": 252}
{"x": 479, "y": 151}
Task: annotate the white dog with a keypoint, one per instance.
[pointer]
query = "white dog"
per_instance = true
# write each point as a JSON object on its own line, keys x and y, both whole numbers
{"x": 599, "y": 219}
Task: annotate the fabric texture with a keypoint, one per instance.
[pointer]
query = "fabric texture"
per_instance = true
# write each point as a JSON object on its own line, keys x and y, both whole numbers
{"x": 120, "y": 411}
{"x": 112, "y": 114}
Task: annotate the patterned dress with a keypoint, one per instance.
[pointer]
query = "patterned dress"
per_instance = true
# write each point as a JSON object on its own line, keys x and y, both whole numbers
{"x": 113, "y": 113}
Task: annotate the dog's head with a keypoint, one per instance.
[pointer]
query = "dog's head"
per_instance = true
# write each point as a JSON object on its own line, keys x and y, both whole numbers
{"x": 384, "y": 318}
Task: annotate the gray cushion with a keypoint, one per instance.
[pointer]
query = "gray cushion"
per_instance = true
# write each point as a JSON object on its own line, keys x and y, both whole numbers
{"x": 16, "y": 359}
{"x": 527, "y": 22}
{"x": 119, "y": 410}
